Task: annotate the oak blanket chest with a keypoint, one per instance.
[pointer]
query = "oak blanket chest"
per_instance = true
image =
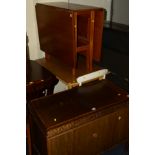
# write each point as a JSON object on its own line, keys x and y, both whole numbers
{"x": 82, "y": 121}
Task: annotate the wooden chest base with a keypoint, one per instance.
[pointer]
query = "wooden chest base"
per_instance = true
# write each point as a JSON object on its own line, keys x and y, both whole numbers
{"x": 63, "y": 126}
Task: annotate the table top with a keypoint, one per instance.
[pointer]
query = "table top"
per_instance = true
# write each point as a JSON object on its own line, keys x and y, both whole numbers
{"x": 71, "y": 6}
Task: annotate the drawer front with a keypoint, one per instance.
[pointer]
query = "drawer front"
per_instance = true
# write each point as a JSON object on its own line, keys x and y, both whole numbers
{"x": 102, "y": 133}
{"x": 61, "y": 144}
{"x": 93, "y": 137}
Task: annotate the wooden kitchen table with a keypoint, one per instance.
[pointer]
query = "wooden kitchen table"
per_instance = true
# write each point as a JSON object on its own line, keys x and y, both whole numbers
{"x": 67, "y": 30}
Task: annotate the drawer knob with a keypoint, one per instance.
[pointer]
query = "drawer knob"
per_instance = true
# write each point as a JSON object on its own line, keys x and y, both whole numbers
{"x": 31, "y": 82}
{"x": 93, "y": 109}
{"x": 95, "y": 135}
{"x": 119, "y": 117}
{"x": 45, "y": 92}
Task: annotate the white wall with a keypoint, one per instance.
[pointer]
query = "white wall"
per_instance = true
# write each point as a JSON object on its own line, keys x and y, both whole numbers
{"x": 31, "y": 29}
{"x": 120, "y": 8}
{"x": 121, "y": 11}
{"x": 99, "y": 3}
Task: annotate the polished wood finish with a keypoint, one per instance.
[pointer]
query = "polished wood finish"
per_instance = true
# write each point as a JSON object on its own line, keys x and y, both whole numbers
{"x": 68, "y": 29}
{"x": 84, "y": 120}
{"x": 39, "y": 81}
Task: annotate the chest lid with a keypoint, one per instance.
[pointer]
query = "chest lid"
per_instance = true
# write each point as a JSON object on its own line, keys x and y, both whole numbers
{"x": 54, "y": 110}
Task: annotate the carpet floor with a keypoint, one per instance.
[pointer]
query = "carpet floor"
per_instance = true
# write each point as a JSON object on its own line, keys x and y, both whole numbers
{"x": 117, "y": 150}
